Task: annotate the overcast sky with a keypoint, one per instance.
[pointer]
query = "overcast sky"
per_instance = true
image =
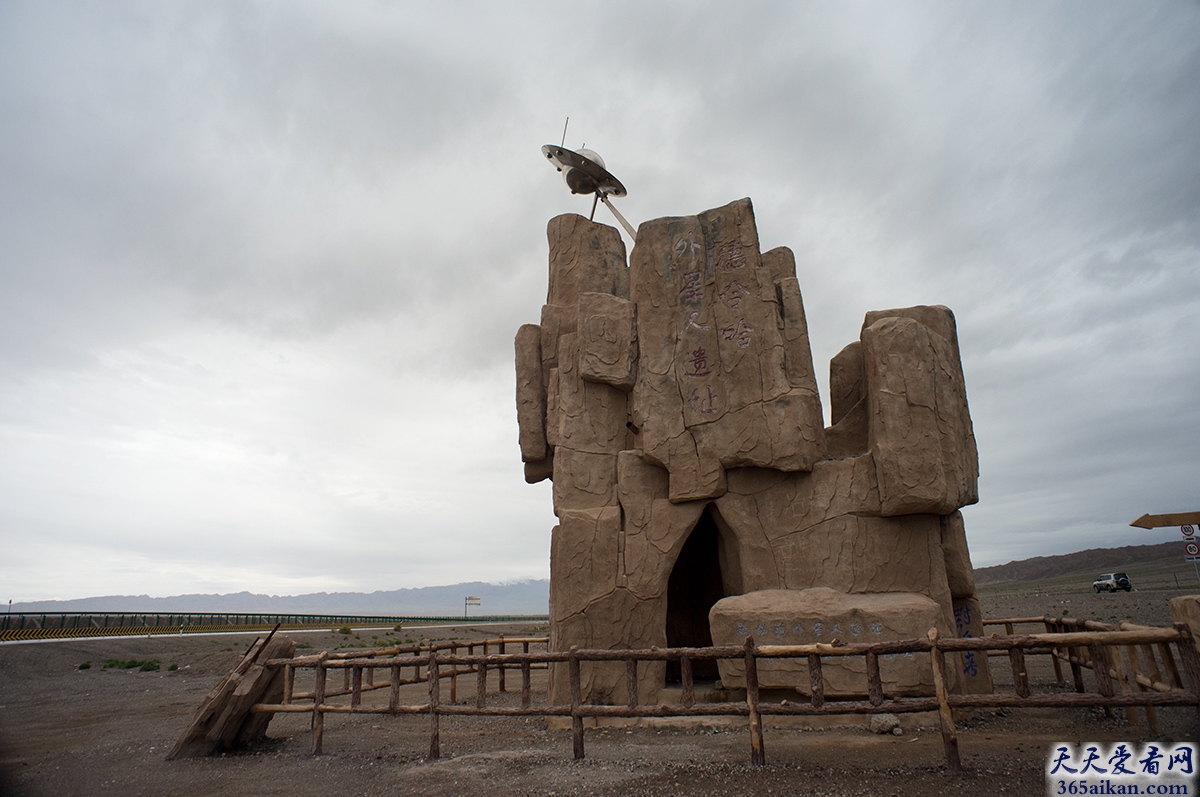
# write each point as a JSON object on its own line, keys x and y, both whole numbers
{"x": 261, "y": 264}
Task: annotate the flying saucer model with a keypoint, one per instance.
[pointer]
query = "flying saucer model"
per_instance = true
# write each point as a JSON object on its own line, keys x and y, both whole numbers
{"x": 584, "y": 173}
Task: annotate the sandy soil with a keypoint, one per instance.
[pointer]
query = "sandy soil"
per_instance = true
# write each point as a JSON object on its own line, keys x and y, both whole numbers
{"x": 66, "y": 731}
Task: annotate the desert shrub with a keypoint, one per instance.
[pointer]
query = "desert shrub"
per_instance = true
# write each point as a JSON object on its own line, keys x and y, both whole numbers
{"x": 398, "y": 628}
{"x": 148, "y": 665}
{"x": 87, "y": 665}
{"x": 344, "y": 630}
{"x": 173, "y": 668}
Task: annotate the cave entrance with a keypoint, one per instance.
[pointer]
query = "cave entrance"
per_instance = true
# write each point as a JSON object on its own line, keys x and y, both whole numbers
{"x": 697, "y": 582}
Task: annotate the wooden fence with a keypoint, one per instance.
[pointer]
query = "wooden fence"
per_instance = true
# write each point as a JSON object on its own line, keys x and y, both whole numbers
{"x": 1132, "y": 667}
{"x": 1081, "y": 648}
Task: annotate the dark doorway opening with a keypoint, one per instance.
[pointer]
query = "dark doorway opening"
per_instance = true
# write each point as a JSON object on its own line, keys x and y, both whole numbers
{"x": 694, "y": 586}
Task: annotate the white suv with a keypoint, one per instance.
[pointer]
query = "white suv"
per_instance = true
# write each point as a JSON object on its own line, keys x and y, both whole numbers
{"x": 1111, "y": 582}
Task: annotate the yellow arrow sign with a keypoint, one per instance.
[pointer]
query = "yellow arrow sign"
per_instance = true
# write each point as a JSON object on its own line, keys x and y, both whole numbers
{"x": 1163, "y": 521}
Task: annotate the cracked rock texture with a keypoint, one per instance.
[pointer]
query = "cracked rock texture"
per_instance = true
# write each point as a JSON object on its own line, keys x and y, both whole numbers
{"x": 674, "y": 404}
{"x": 820, "y": 614}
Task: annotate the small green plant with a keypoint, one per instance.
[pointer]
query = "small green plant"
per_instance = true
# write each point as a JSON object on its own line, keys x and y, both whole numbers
{"x": 344, "y": 630}
{"x": 87, "y": 665}
{"x": 1065, "y": 612}
{"x": 304, "y": 645}
{"x": 173, "y": 668}
{"x": 147, "y": 665}
{"x": 353, "y": 645}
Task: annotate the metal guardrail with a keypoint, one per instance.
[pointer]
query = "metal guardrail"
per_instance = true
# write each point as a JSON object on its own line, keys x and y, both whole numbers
{"x": 58, "y": 625}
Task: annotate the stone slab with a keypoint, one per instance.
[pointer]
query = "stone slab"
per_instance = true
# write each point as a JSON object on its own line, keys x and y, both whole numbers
{"x": 799, "y": 617}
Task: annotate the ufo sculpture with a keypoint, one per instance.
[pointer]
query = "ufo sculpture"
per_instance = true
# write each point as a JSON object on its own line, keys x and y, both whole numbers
{"x": 584, "y": 173}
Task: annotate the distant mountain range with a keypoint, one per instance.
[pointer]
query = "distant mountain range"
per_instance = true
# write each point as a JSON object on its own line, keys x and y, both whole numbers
{"x": 533, "y": 597}
{"x": 521, "y": 597}
{"x": 1096, "y": 560}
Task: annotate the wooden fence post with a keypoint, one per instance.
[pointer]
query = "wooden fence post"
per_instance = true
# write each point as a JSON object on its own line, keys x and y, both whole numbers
{"x": 526, "y": 691}
{"x": 576, "y": 700}
{"x": 1191, "y": 660}
{"x": 757, "y": 754}
{"x": 318, "y": 717}
{"x": 949, "y": 734}
{"x": 435, "y": 694}
{"x": 688, "y": 686}
{"x": 503, "y": 667}
{"x": 481, "y": 682}
{"x": 289, "y": 681}
{"x": 1050, "y": 629}
{"x": 631, "y": 683}
{"x": 1016, "y": 658}
{"x": 816, "y": 680}
{"x": 874, "y": 683}
{"x": 1133, "y": 654}
{"x": 1100, "y": 669}
{"x": 453, "y": 675}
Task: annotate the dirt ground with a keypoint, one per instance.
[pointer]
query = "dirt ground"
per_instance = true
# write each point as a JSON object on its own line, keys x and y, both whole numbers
{"x": 100, "y": 731}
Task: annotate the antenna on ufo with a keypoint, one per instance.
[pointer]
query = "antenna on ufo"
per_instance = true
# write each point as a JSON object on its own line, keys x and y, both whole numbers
{"x": 584, "y": 173}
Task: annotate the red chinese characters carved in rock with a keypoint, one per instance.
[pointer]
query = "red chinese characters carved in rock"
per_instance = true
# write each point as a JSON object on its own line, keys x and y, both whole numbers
{"x": 686, "y": 244}
{"x": 698, "y": 364}
{"x": 730, "y": 256}
{"x": 739, "y": 333}
{"x": 732, "y": 295}
{"x": 703, "y": 400}
{"x": 693, "y": 288}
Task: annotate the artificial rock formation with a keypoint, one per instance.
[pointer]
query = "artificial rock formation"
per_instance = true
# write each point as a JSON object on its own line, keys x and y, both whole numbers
{"x": 674, "y": 404}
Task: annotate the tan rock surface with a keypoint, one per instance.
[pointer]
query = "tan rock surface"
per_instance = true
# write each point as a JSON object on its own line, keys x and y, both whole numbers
{"x": 973, "y": 672}
{"x": 801, "y": 617}
{"x": 585, "y": 257}
{"x": 714, "y": 389}
{"x": 531, "y": 394}
{"x": 847, "y": 385}
{"x": 920, "y": 429}
{"x": 959, "y": 573}
{"x": 608, "y": 340}
{"x": 675, "y": 407}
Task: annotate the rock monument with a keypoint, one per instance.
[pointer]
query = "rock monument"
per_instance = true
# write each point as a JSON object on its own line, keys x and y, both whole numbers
{"x": 701, "y": 499}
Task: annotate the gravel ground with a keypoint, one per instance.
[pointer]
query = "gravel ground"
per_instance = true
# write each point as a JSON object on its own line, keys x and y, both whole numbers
{"x": 66, "y": 731}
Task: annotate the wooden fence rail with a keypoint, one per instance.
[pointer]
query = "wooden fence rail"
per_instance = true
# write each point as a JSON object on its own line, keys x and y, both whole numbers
{"x": 1132, "y": 667}
{"x": 446, "y": 661}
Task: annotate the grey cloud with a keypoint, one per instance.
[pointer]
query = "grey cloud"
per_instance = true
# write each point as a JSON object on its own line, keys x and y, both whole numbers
{"x": 238, "y": 241}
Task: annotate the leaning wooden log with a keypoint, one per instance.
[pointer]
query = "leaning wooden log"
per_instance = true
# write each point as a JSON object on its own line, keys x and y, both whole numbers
{"x": 946, "y": 718}
{"x": 224, "y": 720}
